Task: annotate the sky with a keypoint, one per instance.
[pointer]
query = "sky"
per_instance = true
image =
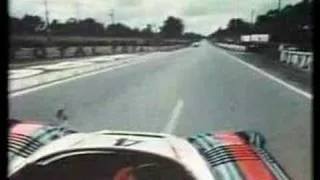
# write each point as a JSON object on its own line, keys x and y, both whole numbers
{"x": 200, "y": 16}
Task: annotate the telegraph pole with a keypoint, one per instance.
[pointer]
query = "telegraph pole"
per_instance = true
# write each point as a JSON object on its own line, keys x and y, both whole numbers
{"x": 279, "y": 5}
{"x": 237, "y": 36}
{"x": 76, "y": 9}
{"x": 252, "y": 23}
{"x": 252, "y": 16}
{"x": 47, "y": 27}
{"x": 111, "y": 14}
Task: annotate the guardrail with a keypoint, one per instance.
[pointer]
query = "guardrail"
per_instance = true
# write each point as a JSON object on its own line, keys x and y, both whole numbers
{"x": 302, "y": 60}
{"x": 38, "y": 40}
{"x": 73, "y": 51}
{"x": 232, "y": 46}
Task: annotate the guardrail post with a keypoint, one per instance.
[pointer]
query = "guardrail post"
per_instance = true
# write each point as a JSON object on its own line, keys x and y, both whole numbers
{"x": 303, "y": 61}
{"x": 13, "y": 52}
{"x": 114, "y": 47}
{"x": 62, "y": 50}
{"x": 94, "y": 50}
{"x": 310, "y": 63}
{"x": 39, "y": 52}
{"x": 289, "y": 58}
{"x": 294, "y": 59}
{"x": 79, "y": 52}
{"x": 283, "y": 56}
{"x": 124, "y": 49}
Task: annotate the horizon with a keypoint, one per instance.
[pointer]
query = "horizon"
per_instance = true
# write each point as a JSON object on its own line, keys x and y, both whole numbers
{"x": 201, "y": 18}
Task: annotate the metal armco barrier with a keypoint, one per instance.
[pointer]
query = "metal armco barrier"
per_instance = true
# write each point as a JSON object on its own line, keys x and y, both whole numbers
{"x": 232, "y": 46}
{"x": 24, "y": 53}
{"x": 60, "y": 52}
{"x": 104, "y": 49}
{"x": 53, "y": 52}
{"x": 302, "y": 60}
{"x": 70, "y": 52}
{"x": 88, "y": 50}
{"x": 131, "y": 49}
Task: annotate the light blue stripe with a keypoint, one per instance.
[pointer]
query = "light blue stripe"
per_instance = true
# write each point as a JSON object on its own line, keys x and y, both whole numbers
{"x": 274, "y": 168}
{"x": 204, "y": 145}
{"x": 230, "y": 166}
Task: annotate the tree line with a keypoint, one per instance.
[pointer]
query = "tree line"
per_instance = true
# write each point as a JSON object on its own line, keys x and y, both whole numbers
{"x": 172, "y": 27}
{"x": 292, "y": 24}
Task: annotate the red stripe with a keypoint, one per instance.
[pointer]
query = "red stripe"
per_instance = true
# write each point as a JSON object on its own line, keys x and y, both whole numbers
{"x": 251, "y": 169}
{"x": 25, "y": 129}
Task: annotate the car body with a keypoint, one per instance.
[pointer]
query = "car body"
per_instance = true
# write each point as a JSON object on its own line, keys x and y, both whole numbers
{"x": 196, "y": 44}
{"x": 218, "y": 155}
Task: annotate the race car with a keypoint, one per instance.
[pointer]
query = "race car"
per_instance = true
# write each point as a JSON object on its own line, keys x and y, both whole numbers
{"x": 43, "y": 151}
{"x": 196, "y": 44}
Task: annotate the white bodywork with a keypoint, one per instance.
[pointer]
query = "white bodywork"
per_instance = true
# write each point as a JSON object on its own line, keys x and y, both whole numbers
{"x": 164, "y": 145}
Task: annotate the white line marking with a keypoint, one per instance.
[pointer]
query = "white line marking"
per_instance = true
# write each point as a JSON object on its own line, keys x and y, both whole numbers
{"x": 22, "y": 92}
{"x": 23, "y": 73}
{"x": 171, "y": 125}
{"x": 299, "y": 91}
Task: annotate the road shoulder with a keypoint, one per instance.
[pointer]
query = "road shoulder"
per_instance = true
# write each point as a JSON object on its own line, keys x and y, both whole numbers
{"x": 293, "y": 76}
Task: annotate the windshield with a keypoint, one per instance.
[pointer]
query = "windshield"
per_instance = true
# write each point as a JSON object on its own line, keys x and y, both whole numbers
{"x": 177, "y": 67}
{"x": 108, "y": 164}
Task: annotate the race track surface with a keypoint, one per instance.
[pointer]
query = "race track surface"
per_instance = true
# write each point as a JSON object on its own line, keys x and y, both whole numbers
{"x": 183, "y": 92}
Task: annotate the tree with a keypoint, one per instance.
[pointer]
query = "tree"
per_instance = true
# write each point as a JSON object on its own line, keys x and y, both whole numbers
{"x": 147, "y": 31}
{"x": 118, "y": 30}
{"x": 136, "y": 32}
{"x": 30, "y": 24}
{"x": 15, "y": 25}
{"x": 239, "y": 26}
{"x": 172, "y": 28}
{"x": 192, "y": 36}
{"x": 55, "y": 26}
{"x": 291, "y": 24}
{"x": 288, "y": 24}
{"x": 89, "y": 27}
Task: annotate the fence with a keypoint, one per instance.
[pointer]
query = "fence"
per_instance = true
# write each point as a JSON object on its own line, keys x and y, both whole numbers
{"x": 64, "y": 52}
{"x": 232, "y": 46}
{"x": 302, "y": 60}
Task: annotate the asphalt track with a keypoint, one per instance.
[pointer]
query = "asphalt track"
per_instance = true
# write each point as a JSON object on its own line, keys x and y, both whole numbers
{"x": 184, "y": 92}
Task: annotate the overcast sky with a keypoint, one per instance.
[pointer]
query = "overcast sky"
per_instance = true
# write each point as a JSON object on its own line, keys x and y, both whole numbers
{"x": 201, "y": 16}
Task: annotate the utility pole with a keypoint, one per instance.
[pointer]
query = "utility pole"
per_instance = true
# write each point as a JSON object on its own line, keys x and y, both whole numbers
{"x": 279, "y": 5}
{"x": 237, "y": 36}
{"x": 47, "y": 27}
{"x": 252, "y": 23}
{"x": 76, "y": 9}
{"x": 111, "y": 14}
